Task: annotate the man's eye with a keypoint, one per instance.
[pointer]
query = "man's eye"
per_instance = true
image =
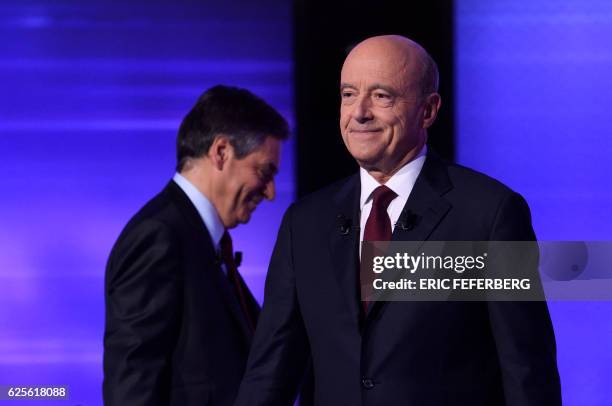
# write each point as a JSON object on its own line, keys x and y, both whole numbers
{"x": 382, "y": 96}
{"x": 346, "y": 95}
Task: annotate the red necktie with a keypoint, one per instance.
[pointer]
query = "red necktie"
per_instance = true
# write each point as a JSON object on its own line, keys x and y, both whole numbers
{"x": 227, "y": 255}
{"x": 378, "y": 228}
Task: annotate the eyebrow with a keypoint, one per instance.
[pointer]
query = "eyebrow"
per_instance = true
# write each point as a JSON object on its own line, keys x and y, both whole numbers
{"x": 347, "y": 86}
{"x": 380, "y": 86}
{"x": 374, "y": 86}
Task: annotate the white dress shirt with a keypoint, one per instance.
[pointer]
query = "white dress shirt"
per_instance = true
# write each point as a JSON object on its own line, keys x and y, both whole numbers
{"x": 207, "y": 211}
{"x": 401, "y": 183}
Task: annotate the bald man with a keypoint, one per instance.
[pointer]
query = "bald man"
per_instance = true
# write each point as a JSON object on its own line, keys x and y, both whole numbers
{"x": 395, "y": 353}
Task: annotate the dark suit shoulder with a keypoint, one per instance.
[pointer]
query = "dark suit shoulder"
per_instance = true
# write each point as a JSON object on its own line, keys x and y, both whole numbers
{"x": 472, "y": 181}
{"x": 159, "y": 218}
{"x": 472, "y": 185}
{"x": 160, "y": 208}
{"x": 323, "y": 197}
{"x": 164, "y": 209}
{"x": 145, "y": 227}
{"x": 488, "y": 204}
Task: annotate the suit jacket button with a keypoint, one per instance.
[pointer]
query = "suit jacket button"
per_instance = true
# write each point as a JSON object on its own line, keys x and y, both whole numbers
{"x": 367, "y": 383}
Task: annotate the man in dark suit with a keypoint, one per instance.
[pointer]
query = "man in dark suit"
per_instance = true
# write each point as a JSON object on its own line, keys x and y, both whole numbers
{"x": 179, "y": 318}
{"x": 395, "y": 353}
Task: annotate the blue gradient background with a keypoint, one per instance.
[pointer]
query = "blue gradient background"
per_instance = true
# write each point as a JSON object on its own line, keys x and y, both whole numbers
{"x": 93, "y": 94}
{"x": 92, "y": 97}
{"x": 534, "y": 89}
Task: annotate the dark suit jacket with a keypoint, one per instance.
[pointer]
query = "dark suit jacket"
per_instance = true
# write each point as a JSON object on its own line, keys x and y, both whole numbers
{"x": 175, "y": 333}
{"x": 404, "y": 353}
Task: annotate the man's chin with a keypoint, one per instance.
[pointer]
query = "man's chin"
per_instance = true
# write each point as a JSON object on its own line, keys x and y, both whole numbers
{"x": 367, "y": 156}
{"x": 245, "y": 217}
{"x": 368, "y": 163}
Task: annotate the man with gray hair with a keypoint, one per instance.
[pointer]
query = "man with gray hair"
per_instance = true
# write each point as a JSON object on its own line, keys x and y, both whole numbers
{"x": 395, "y": 353}
{"x": 179, "y": 317}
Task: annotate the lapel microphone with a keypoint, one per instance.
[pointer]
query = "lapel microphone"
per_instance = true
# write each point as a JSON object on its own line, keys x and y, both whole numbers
{"x": 344, "y": 224}
{"x": 407, "y": 221}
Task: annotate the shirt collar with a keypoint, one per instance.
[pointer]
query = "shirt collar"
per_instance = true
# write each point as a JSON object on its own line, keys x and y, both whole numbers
{"x": 401, "y": 182}
{"x": 205, "y": 208}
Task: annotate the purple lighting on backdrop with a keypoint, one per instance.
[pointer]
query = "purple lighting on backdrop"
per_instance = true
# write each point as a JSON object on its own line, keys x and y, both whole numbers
{"x": 93, "y": 94}
{"x": 534, "y": 90}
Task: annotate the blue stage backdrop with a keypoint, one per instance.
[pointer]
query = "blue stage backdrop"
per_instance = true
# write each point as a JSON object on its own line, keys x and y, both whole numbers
{"x": 534, "y": 92}
{"x": 92, "y": 96}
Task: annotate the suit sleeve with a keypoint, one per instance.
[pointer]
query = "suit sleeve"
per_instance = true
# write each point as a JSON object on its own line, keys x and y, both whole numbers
{"x": 280, "y": 350}
{"x": 523, "y": 330}
{"x": 142, "y": 308}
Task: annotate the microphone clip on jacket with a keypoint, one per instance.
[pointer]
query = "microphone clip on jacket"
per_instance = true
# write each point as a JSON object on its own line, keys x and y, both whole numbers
{"x": 344, "y": 224}
{"x": 407, "y": 221}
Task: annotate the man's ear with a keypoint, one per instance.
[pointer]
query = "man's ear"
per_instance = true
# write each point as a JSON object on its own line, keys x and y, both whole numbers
{"x": 431, "y": 107}
{"x": 220, "y": 151}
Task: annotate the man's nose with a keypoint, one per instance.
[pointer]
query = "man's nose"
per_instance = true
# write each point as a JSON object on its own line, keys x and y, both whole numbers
{"x": 270, "y": 190}
{"x": 362, "y": 109}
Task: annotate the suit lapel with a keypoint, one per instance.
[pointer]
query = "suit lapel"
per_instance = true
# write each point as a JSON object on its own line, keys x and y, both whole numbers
{"x": 252, "y": 304}
{"x": 344, "y": 243}
{"x": 232, "y": 302}
{"x": 424, "y": 210}
{"x": 212, "y": 260}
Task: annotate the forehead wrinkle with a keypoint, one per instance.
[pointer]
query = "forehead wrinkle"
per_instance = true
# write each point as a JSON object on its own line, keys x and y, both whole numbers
{"x": 398, "y": 59}
{"x": 397, "y": 75}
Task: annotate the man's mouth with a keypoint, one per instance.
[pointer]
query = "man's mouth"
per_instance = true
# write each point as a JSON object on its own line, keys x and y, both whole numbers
{"x": 364, "y": 130}
{"x": 365, "y": 133}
